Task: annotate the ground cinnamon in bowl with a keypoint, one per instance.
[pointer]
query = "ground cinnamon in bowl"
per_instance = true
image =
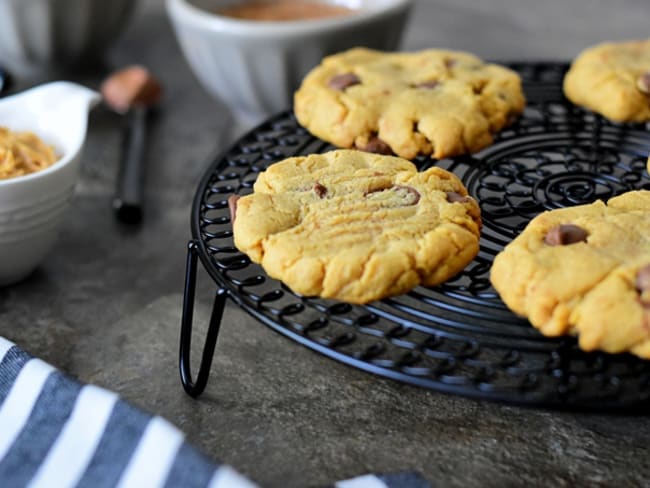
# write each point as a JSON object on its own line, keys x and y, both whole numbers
{"x": 284, "y": 10}
{"x": 22, "y": 153}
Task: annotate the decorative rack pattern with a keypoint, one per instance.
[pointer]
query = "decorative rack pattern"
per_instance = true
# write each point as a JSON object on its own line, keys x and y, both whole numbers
{"x": 459, "y": 337}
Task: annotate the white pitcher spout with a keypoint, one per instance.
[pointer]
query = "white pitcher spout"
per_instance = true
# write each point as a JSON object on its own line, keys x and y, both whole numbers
{"x": 57, "y": 112}
{"x": 66, "y": 92}
{"x": 54, "y": 95}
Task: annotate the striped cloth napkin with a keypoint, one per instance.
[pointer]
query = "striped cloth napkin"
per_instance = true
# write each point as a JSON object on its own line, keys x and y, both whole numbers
{"x": 56, "y": 432}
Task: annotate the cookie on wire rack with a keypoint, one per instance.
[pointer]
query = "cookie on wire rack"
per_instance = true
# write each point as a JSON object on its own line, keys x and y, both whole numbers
{"x": 356, "y": 226}
{"x": 584, "y": 271}
{"x": 433, "y": 102}
{"x": 612, "y": 79}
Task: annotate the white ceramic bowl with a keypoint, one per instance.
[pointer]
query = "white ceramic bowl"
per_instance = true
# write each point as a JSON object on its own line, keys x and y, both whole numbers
{"x": 254, "y": 67}
{"x": 39, "y": 35}
{"x": 32, "y": 206}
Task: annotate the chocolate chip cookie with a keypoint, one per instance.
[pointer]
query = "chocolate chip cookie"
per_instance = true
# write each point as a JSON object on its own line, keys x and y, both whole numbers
{"x": 612, "y": 79}
{"x": 436, "y": 102}
{"x": 584, "y": 271}
{"x": 356, "y": 226}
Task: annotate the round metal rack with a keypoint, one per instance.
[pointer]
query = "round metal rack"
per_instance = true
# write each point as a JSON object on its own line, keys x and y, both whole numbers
{"x": 459, "y": 337}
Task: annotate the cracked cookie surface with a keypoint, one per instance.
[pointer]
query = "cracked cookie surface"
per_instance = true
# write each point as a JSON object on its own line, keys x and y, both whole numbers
{"x": 584, "y": 271}
{"x": 612, "y": 79}
{"x": 433, "y": 102}
{"x": 356, "y": 226}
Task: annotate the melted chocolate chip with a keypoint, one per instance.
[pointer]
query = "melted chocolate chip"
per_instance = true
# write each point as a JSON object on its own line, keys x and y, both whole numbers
{"x": 341, "y": 82}
{"x": 232, "y": 206}
{"x": 643, "y": 279}
{"x": 643, "y": 83}
{"x": 512, "y": 118}
{"x": 377, "y": 146}
{"x": 412, "y": 195}
{"x": 320, "y": 190}
{"x": 565, "y": 234}
{"x": 377, "y": 189}
{"x": 450, "y": 63}
{"x": 479, "y": 86}
{"x": 453, "y": 197}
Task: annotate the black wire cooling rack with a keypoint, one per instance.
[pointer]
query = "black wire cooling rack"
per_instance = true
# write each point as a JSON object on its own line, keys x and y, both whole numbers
{"x": 459, "y": 337}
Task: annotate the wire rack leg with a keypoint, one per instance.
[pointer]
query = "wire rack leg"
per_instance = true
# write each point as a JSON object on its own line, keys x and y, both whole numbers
{"x": 194, "y": 389}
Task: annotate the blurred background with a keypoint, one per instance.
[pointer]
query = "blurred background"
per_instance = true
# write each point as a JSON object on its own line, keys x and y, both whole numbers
{"x": 498, "y": 30}
{"x": 105, "y": 306}
{"x": 525, "y": 29}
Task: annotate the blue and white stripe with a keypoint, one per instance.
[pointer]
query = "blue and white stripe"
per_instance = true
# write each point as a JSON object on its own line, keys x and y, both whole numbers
{"x": 405, "y": 479}
{"x": 56, "y": 432}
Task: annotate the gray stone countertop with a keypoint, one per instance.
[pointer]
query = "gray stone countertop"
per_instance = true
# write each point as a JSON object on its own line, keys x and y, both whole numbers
{"x": 105, "y": 306}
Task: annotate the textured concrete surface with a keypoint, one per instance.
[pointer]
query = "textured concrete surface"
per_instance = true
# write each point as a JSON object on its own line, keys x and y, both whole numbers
{"x": 105, "y": 306}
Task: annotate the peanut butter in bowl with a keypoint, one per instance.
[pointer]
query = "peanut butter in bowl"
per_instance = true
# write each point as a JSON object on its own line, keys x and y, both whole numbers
{"x": 284, "y": 10}
{"x": 23, "y": 153}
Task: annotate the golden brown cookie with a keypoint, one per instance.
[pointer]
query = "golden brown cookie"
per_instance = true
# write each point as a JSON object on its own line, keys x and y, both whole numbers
{"x": 612, "y": 79}
{"x": 584, "y": 271}
{"x": 356, "y": 226}
{"x": 434, "y": 102}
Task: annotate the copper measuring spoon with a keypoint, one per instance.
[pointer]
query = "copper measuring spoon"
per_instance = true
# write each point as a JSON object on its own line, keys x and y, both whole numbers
{"x": 132, "y": 91}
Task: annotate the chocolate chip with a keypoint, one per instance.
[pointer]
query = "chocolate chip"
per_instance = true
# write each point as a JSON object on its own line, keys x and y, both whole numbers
{"x": 450, "y": 63}
{"x": 511, "y": 119}
{"x": 320, "y": 190}
{"x": 412, "y": 195}
{"x": 232, "y": 206}
{"x": 479, "y": 86}
{"x": 453, "y": 197}
{"x": 377, "y": 146}
{"x": 383, "y": 187}
{"x": 643, "y": 279}
{"x": 643, "y": 83}
{"x": 428, "y": 84}
{"x": 341, "y": 82}
{"x": 565, "y": 234}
